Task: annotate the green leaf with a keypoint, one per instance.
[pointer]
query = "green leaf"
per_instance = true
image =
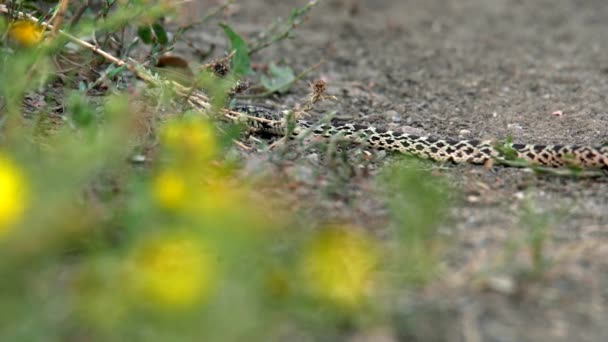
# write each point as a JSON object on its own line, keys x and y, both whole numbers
{"x": 116, "y": 71}
{"x": 3, "y": 24}
{"x": 161, "y": 34}
{"x": 506, "y": 149}
{"x": 296, "y": 13}
{"x": 145, "y": 34}
{"x": 80, "y": 111}
{"x": 280, "y": 80}
{"x": 241, "y": 65}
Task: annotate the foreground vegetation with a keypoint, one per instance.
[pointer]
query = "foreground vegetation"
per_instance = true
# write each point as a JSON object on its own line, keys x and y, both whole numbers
{"x": 124, "y": 214}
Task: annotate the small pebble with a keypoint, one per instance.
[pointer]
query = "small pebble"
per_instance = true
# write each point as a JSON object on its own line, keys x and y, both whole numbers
{"x": 501, "y": 284}
{"x": 395, "y": 117}
{"x": 473, "y": 199}
{"x": 514, "y": 126}
{"x": 138, "y": 158}
{"x": 464, "y": 132}
{"x": 313, "y": 157}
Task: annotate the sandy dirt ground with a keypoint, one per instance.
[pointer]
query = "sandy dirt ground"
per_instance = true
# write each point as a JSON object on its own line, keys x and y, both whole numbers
{"x": 533, "y": 70}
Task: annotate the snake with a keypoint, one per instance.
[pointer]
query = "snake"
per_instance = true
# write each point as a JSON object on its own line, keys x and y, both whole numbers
{"x": 481, "y": 152}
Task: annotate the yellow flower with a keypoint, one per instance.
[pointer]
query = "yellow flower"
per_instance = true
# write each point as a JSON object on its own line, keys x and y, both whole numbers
{"x": 194, "y": 137}
{"x": 218, "y": 196}
{"x": 170, "y": 189}
{"x": 172, "y": 272}
{"x": 12, "y": 194}
{"x": 231, "y": 206}
{"x": 26, "y": 33}
{"x": 340, "y": 266}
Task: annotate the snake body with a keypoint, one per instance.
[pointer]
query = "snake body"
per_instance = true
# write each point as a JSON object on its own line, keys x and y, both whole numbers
{"x": 443, "y": 150}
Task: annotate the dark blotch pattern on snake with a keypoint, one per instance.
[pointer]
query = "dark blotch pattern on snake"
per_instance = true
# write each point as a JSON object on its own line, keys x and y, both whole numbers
{"x": 457, "y": 151}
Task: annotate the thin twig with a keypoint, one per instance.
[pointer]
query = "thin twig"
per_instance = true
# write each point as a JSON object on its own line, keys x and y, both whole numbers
{"x": 72, "y": 38}
{"x": 59, "y": 15}
{"x": 241, "y": 145}
{"x": 79, "y": 12}
{"x": 294, "y": 21}
{"x": 215, "y": 11}
{"x": 196, "y": 99}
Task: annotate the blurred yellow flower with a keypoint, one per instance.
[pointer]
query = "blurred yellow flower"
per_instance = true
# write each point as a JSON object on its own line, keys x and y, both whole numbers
{"x": 219, "y": 196}
{"x": 195, "y": 137}
{"x": 231, "y": 206}
{"x": 340, "y": 266}
{"x": 12, "y": 194}
{"x": 172, "y": 272}
{"x": 170, "y": 189}
{"x": 26, "y": 33}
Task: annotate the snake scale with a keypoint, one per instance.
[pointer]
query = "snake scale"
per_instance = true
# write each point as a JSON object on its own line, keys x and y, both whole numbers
{"x": 457, "y": 151}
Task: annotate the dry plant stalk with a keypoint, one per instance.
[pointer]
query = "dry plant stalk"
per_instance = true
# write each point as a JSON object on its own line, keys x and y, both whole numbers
{"x": 195, "y": 98}
{"x": 59, "y": 15}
